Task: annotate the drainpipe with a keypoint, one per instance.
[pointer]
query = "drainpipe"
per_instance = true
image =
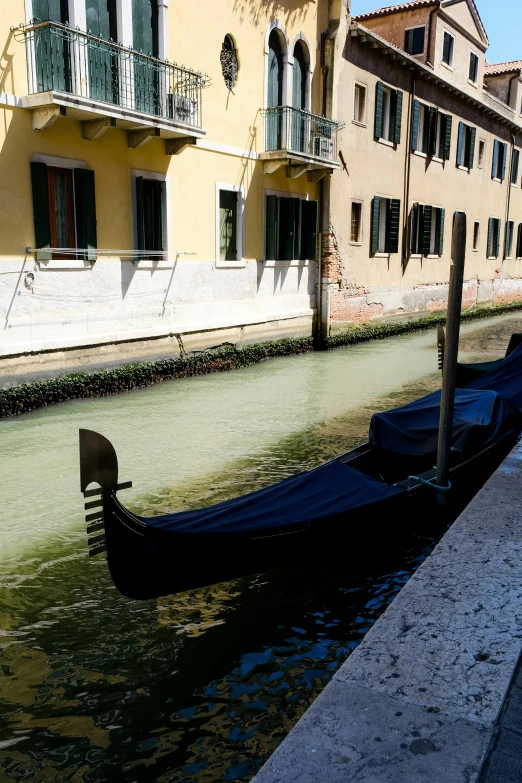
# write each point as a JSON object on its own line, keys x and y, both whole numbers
{"x": 407, "y": 178}
{"x": 430, "y": 31}
{"x": 513, "y": 139}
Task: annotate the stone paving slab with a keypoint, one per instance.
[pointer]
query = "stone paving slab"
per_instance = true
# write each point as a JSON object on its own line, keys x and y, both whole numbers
{"x": 420, "y": 697}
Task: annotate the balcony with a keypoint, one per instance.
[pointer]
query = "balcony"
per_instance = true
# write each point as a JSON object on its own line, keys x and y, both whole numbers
{"x": 301, "y": 141}
{"x": 104, "y": 84}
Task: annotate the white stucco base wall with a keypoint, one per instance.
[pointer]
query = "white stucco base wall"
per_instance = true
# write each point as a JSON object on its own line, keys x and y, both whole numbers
{"x": 45, "y": 308}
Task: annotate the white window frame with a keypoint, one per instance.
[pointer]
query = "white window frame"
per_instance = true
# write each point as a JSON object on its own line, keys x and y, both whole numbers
{"x": 417, "y": 27}
{"x": 240, "y": 225}
{"x": 449, "y": 66}
{"x": 360, "y": 240}
{"x": 361, "y": 86}
{"x": 475, "y": 83}
{"x": 476, "y": 245}
{"x": 167, "y": 212}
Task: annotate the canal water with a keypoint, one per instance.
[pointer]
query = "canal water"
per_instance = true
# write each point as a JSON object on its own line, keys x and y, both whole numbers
{"x": 199, "y": 687}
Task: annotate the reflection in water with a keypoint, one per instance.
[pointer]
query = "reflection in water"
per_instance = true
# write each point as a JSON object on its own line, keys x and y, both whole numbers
{"x": 202, "y": 686}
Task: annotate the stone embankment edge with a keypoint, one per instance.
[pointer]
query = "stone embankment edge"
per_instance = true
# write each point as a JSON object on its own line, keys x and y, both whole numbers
{"x": 420, "y": 698}
{"x": 27, "y": 397}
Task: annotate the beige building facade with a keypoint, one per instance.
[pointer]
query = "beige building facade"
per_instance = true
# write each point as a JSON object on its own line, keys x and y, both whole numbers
{"x": 430, "y": 129}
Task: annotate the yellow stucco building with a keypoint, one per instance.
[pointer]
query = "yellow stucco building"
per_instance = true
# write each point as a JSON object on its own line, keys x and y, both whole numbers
{"x": 160, "y": 168}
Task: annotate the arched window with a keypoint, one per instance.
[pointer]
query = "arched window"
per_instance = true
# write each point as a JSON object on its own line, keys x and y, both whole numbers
{"x": 229, "y": 63}
{"x": 300, "y": 77}
{"x": 275, "y": 71}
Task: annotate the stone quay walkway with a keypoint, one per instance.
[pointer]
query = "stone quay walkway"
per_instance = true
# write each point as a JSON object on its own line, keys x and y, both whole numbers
{"x": 433, "y": 694}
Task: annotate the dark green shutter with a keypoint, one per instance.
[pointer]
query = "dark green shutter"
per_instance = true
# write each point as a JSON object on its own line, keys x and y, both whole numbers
{"x": 308, "y": 230}
{"x": 415, "y": 126}
{"x": 519, "y": 241}
{"x": 140, "y": 214}
{"x": 379, "y": 101}
{"x": 414, "y": 229}
{"x": 448, "y": 124}
{"x": 490, "y": 238}
{"x": 157, "y": 214}
{"x": 85, "y": 212}
{"x": 504, "y": 161}
{"x": 271, "y": 228}
{"x": 515, "y": 166}
{"x": 288, "y": 228}
{"x": 374, "y": 242}
{"x": 432, "y": 130}
{"x": 460, "y": 144}
{"x": 498, "y": 225}
{"x": 394, "y": 217}
{"x": 42, "y": 222}
{"x": 494, "y": 167}
{"x": 399, "y": 99}
{"x": 441, "y": 216}
{"x": 425, "y": 239}
{"x": 510, "y": 227}
{"x": 472, "y": 148}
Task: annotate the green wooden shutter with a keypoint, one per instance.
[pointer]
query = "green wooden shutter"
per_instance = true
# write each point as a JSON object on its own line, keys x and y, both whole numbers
{"x": 394, "y": 217}
{"x": 374, "y": 242}
{"x": 494, "y": 166}
{"x": 399, "y": 98}
{"x": 519, "y": 241}
{"x": 308, "y": 230}
{"x": 140, "y": 214}
{"x": 472, "y": 143}
{"x": 510, "y": 227}
{"x": 85, "y": 212}
{"x": 432, "y": 130}
{"x": 157, "y": 190}
{"x": 448, "y": 125}
{"x": 498, "y": 224}
{"x": 460, "y": 144}
{"x": 288, "y": 228}
{"x": 425, "y": 238}
{"x": 515, "y": 166}
{"x": 441, "y": 218}
{"x": 504, "y": 161}
{"x": 271, "y": 228}
{"x": 379, "y": 100}
{"x": 415, "y": 126}
{"x": 42, "y": 221}
{"x": 490, "y": 238}
{"x": 414, "y": 228}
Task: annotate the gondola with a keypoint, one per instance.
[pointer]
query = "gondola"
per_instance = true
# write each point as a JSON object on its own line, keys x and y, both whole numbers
{"x": 467, "y": 373}
{"x": 327, "y": 512}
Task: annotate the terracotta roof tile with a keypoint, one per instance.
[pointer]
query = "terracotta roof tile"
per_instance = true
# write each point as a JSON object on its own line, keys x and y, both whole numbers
{"x": 493, "y": 70}
{"x": 394, "y": 9}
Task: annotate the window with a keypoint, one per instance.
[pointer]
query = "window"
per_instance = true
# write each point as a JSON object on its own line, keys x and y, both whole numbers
{"x": 290, "y": 229}
{"x": 515, "y": 163}
{"x": 64, "y": 211}
{"x": 386, "y": 213}
{"x": 359, "y": 104}
{"x": 448, "y": 47}
{"x": 229, "y": 63}
{"x": 150, "y": 217}
{"x": 508, "y": 243}
{"x": 481, "y": 153}
{"x": 473, "y": 67}
{"x": 427, "y": 230}
{"x": 356, "y": 222}
{"x": 498, "y": 168}
{"x": 519, "y": 241}
{"x": 493, "y": 238}
{"x": 476, "y": 235}
{"x": 388, "y": 113}
{"x": 466, "y": 146}
{"x": 431, "y": 131}
{"x": 229, "y": 240}
{"x": 414, "y": 40}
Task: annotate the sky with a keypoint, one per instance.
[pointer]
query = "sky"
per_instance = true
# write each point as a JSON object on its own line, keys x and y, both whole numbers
{"x": 501, "y": 18}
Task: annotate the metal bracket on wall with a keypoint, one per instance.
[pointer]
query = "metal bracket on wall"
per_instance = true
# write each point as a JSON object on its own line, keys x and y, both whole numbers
{"x": 175, "y": 146}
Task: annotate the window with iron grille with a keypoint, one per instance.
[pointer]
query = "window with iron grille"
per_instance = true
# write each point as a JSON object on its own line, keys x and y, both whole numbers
{"x": 356, "y": 222}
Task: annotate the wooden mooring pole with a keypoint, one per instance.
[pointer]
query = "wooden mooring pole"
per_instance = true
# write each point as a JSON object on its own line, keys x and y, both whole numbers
{"x": 449, "y": 371}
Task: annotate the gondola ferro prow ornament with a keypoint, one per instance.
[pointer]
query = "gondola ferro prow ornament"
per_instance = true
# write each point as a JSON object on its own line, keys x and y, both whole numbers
{"x": 98, "y": 465}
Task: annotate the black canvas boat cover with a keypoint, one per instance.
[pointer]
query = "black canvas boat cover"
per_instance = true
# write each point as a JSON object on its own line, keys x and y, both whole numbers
{"x": 506, "y": 379}
{"x": 480, "y": 418}
{"x": 331, "y": 489}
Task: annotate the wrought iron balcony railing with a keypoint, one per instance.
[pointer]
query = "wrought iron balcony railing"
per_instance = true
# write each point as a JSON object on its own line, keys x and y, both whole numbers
{"x": 68, "y": 60}
{"x": 300, "y": 131}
